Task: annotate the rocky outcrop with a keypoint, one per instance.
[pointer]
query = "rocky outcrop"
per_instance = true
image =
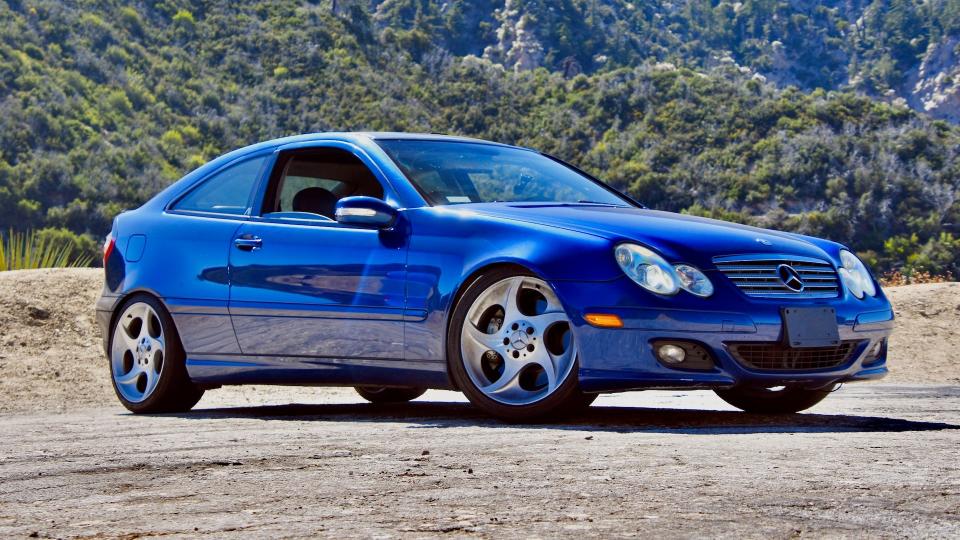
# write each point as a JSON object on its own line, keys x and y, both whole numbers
{"x": 517, "y": 46}
{"x": 934, "y": 86}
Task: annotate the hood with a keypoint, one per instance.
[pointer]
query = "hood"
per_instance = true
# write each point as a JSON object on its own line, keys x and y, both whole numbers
{"x": 678, "y": 237}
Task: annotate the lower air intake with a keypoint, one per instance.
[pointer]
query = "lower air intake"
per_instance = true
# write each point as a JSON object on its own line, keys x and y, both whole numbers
{"x": 776, "y": 357}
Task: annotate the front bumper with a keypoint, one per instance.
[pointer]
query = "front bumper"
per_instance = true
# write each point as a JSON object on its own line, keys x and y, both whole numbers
{"x": 619, "y": 359}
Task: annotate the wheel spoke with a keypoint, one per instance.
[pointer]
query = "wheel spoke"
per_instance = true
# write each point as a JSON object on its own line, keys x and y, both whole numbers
{"x": 482, "y": 339}
{"x": 153, "y": 315}
{"x": 566, "y": 355}
{"x": 132, "y": 376}
{"x": 509, "y": 302}
{"x": 544, "y": 320}
{"x": 156, "y": 345}
{"x": 144, "y": 322}
{"x": 508, "y": 382}
{"x": 129, "y": 343}
{"x": 475, "y": 343}
{"x": 543, "y": 359}
{"x": 553, "y": 303}
{"x": 152, "y": 380}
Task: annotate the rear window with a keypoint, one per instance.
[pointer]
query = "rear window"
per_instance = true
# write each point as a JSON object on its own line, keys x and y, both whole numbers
{"x": 226, "y": 192}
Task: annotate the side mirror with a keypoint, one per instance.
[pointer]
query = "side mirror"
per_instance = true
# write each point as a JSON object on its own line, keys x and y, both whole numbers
{"x": 365, "y": 212}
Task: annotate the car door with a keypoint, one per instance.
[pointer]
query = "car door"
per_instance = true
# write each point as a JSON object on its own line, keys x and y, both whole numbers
{"x": 187, "y": 254}
{"x": 303, "y": 285}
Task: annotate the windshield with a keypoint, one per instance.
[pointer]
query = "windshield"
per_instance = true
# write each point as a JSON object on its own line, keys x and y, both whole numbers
{"x": 448, "y": 172}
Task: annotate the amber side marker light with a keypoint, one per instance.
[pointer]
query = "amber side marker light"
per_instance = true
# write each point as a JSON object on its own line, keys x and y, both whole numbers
{"x": 604, "y": 320}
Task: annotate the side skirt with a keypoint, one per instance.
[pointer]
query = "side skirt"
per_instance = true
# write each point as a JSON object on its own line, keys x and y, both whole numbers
{"x": 210, "y": 370}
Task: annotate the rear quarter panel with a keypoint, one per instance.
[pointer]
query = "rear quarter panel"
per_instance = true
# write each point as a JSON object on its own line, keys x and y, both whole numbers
{"x": 182, "y": 260}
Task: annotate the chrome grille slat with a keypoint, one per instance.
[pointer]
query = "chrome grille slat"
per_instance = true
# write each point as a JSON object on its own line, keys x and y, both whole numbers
{"x": 757, "y": 275}
{"x": 799, "y": 268}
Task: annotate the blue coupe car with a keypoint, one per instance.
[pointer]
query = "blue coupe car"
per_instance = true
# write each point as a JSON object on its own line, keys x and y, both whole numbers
{"x": 397, "y": 262}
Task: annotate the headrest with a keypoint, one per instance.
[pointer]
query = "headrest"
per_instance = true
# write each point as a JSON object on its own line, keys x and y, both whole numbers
{"x": 315, "y": 200}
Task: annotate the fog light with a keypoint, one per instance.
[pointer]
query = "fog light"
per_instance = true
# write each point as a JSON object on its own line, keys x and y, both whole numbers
{"x": 671, "y": 354}
{"x": 875, "y": 352}
{"x": 686, "y": 355}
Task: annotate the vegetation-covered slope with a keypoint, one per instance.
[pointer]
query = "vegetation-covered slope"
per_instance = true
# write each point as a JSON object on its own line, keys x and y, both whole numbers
{"x": 890, "y": 49}
{"x": 102, "y": 104}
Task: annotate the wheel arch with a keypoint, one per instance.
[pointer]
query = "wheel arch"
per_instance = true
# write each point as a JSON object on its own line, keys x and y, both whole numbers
{"x": 123, "y": 298}
{"x": 462, "y": 288}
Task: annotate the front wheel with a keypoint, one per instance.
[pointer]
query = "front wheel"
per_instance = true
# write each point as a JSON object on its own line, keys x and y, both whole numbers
{"x": 779, "y": 400}
{"x": 511, "y": 348}
{"x": 383, "y": 394}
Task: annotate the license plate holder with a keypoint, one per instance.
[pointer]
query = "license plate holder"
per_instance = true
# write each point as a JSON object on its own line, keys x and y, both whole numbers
{"x": 810, "y": 327}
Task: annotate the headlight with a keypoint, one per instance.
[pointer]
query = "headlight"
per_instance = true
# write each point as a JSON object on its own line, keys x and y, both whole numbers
{"x": 693, "y": 281}
{"x": 855, "y": 275}
{"x": 646, "y": 268}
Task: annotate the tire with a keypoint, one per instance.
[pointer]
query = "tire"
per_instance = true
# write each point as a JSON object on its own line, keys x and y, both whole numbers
{"x": 147, "y": 362}
{"x": 503, "y": 368}
{"x": 579, "y": 403}
{"x": 770, "y": 401}
{"x": 382, "y": 394}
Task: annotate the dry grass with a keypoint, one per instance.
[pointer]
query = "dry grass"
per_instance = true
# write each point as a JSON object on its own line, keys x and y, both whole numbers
{"x": 896, "y": 278}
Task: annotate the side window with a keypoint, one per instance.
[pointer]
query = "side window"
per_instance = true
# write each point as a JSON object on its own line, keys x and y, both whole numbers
{"x": 312, "y": 181}
{"x": 226, "y": 192}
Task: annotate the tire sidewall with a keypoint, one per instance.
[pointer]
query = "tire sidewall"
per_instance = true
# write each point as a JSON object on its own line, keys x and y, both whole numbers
{"x": 375, "y": 394}
{"x": 555, "y": 403}
{"x": 787, "y": 401}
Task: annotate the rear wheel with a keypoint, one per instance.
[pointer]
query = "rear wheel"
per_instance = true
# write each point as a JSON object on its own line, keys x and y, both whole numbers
{"x": 511, "y": 348}
{"x": 383, "y": 394}
{"x": 778, "y": 400}
{"x": 147, "y": 362}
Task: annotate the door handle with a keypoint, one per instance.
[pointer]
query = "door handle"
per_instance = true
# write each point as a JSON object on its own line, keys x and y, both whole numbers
{"x": 248, "y": 242}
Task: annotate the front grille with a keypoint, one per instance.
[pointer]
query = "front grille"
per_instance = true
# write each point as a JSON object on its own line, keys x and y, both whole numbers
{"x": 762, "y": 275}
{"x": 776, "y": 357}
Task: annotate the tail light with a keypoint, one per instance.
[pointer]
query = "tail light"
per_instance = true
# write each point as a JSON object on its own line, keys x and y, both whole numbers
{"x": 108, "y": 244}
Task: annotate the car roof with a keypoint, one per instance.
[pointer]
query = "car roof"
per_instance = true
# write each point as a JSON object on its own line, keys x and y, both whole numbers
{"x": 363, "y": 136}
{"x": 395, "y": 135}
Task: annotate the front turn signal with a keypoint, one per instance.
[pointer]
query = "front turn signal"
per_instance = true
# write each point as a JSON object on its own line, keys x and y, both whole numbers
{"x": 604, "y": 320}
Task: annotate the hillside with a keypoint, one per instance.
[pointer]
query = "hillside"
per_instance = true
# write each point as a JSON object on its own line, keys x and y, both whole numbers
{"x": 51, "y": 357}
{"x": 688, "y": 106}
{"x": 894, "y": 50}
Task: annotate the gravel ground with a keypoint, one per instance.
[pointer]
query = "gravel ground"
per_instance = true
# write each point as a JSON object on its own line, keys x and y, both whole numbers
{"x": 873, "y": 460}
{"x": 870, "y": 461}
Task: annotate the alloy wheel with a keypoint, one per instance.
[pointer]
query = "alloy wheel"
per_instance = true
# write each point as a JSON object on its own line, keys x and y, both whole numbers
{"x": 138, "y": 352}
{"x": 516, "y": 342}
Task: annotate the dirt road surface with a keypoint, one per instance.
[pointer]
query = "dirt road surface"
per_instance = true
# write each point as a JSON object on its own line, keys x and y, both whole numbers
{"x": 873, "y": 460}
{"x": 870, "y": 461}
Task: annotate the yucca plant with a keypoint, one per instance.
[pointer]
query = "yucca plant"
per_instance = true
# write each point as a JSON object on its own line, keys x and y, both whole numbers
{"x": 28, "y": 250}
